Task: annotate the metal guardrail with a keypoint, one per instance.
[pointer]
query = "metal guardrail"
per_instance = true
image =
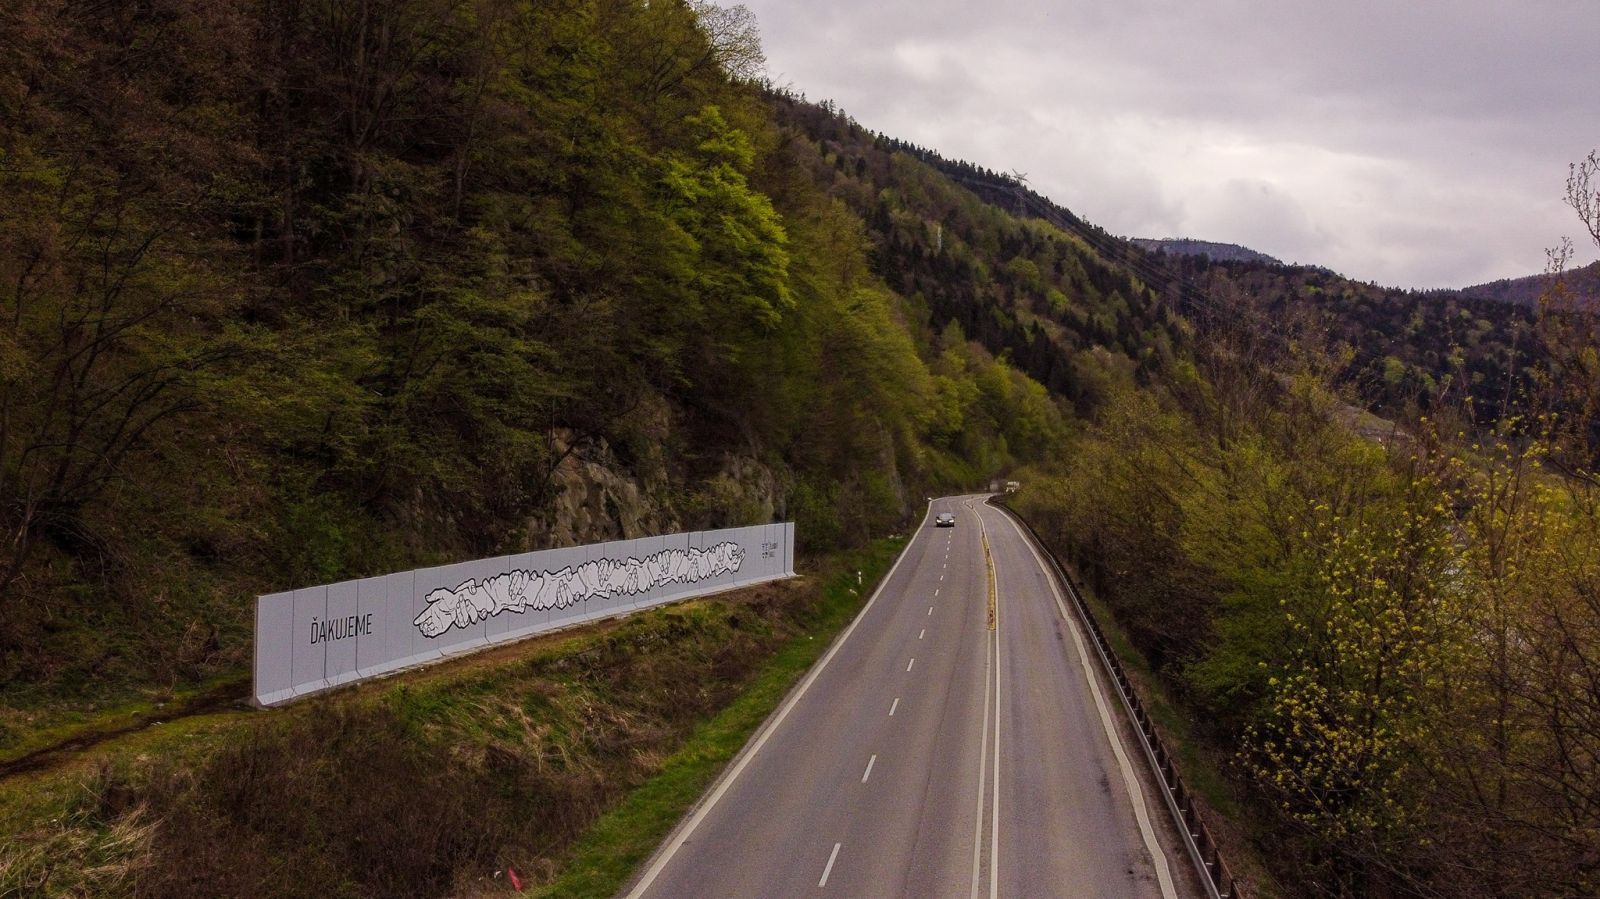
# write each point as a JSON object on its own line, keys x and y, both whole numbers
{"x": 1218, "y": 880}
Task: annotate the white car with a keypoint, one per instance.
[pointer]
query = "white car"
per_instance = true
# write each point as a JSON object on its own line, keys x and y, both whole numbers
{"x": 945, "y": 520}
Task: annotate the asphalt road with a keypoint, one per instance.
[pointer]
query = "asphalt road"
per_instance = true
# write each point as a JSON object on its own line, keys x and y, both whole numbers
{"x": 930, "y": 755}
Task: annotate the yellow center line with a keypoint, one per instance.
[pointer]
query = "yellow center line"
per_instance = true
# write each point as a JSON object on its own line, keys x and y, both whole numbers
{"x": 988, "y": 559}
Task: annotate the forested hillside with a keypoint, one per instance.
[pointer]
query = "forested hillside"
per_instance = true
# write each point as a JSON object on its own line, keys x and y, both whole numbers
{"x": 1072, "y": 318}
{"x": 1398, "y": 351}
{"x": 1584, "y": 282}
{"x": 1401, "y": 352}
{"x": 300, "y": 290}
{"x": 1036, "y": 280}
{"x": 303, "y": 291}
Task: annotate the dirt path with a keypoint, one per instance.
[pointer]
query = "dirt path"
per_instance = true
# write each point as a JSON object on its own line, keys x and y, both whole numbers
{"x": 214, "y": 700}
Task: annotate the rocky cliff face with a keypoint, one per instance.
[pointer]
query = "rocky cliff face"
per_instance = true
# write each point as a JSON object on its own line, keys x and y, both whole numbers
{"x": 744, "y": 491}
{"x": 595, "y": 496}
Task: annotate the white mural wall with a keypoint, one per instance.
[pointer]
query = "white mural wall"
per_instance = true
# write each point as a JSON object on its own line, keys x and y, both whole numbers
{"x": 316, "y": 638}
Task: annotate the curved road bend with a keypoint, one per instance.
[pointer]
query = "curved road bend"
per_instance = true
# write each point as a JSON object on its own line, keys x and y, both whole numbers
{"x": 928, "y": 755}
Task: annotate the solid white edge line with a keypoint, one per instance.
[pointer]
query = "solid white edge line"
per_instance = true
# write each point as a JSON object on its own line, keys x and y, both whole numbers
{"x": 983, "y": 762}
{"x": 829, "y": 869}
{"x": 868, "y": 773}
{"x": 681, "y": 834}
{"x": 1129, "y": 779}
{"x": 994, "y": 815}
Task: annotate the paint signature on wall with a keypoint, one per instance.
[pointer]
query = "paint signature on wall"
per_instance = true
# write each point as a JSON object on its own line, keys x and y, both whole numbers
{"x": 521, "y": 590}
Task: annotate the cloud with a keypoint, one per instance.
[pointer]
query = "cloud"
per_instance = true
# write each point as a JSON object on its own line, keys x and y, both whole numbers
{"x": 1260, "y": 212}
{"x": 1419, "y": 144}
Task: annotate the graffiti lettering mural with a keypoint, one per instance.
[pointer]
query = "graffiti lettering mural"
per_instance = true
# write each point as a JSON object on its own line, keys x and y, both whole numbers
{"x": 315, "y": 638}
{"x": 521, "y": 590}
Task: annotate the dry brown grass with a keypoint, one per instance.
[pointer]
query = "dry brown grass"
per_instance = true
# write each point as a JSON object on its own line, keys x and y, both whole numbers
{"x": 98, "y": 846}
{"x": 425, "y": 786}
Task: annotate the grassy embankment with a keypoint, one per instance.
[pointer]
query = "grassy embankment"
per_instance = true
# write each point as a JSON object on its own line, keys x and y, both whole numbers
{"x": 567, "y": 757}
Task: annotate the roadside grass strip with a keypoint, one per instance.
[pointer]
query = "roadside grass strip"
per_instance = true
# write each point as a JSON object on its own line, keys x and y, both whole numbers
{"x": 624, "y": 837}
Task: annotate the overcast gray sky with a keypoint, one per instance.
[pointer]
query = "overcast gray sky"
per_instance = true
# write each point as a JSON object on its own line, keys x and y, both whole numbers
{"x": 1414, "y": 144}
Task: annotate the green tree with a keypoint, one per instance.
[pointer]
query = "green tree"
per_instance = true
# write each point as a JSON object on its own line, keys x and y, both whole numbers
{"x": 1345, "y": 729}
{"x": 738, "y": 266}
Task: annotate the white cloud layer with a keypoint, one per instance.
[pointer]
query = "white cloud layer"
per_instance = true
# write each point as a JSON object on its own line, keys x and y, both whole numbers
{"x": 1418, "y": 143}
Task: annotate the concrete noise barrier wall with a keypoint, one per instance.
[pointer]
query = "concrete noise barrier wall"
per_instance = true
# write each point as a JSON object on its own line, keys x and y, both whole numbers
{"x": 321, "y": 637}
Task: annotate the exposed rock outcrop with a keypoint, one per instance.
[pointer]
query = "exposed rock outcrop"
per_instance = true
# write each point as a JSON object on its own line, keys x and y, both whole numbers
{"x": 595, "y": 498}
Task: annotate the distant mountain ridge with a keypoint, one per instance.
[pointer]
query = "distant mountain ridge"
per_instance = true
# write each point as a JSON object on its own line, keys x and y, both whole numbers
{"x": 1583, "y": 282}
{"x": 1217, "y": 252}
{"x": 1401, "y": 339}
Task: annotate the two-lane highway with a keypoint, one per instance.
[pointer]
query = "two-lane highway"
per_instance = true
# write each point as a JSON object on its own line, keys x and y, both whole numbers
{"x": 938, "y": 749}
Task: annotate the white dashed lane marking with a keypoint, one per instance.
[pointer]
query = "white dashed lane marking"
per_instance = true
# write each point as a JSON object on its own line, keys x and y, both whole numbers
{"x": 829, "y": 869}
